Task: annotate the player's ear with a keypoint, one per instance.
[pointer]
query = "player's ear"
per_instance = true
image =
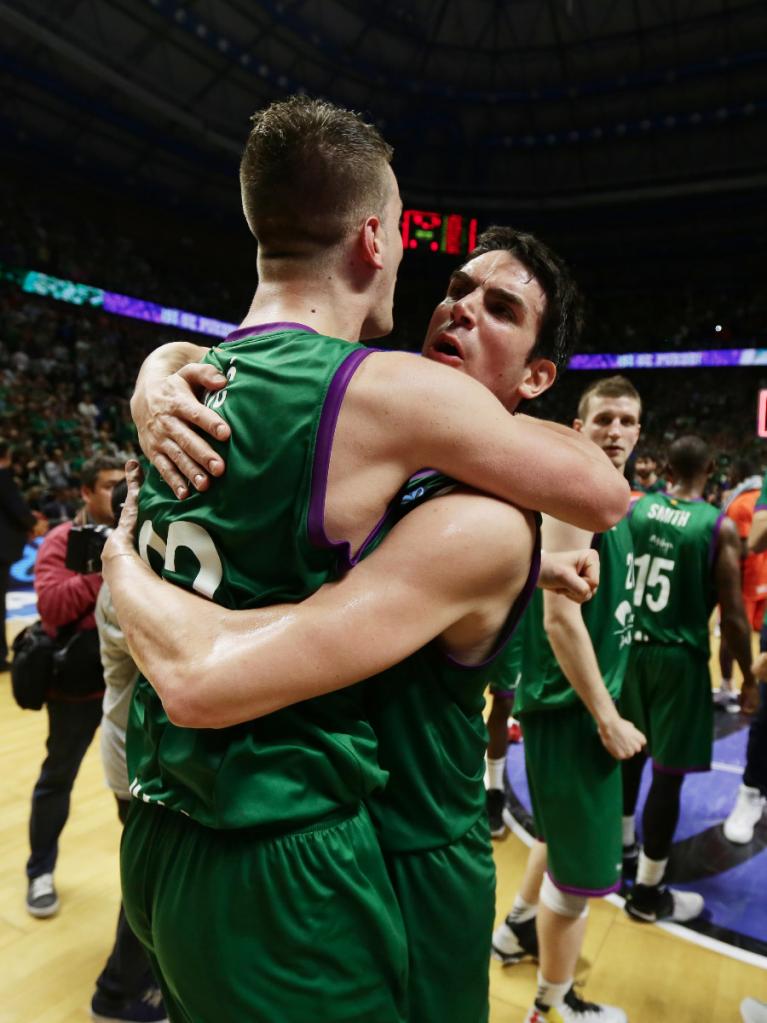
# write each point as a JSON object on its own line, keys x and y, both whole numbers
{"x": 370, "y": 242}
{"x": 540, "y": 375}
{"x": 577, "y": 425}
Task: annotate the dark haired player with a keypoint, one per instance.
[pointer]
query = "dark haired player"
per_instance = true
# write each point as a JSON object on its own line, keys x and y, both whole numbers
{"x": 323, "y": 435}
{"x": 686, "y": 557}
{"x": 426, "y": 712}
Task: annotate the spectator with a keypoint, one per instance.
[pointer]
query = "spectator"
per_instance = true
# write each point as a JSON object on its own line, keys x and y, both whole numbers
{"x": 16, "y": 523}
{"x": 67, "y": 600}
{"x": 126, "y": 989}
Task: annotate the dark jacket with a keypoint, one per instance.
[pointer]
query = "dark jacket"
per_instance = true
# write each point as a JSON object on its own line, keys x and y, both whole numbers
{"x": 16, "y": 520}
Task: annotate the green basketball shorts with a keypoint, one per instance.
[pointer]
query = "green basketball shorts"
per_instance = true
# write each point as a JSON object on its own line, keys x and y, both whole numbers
{"x": 667, "y": 694}
{"x": 288, "y": 929}
{"x": 447, "y": 898}
{"x": 576, "y": 792}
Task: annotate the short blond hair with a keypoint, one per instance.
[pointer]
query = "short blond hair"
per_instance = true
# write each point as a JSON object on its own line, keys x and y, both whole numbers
{"x": 608, "y": 387}
{"x": 309, "y": 169}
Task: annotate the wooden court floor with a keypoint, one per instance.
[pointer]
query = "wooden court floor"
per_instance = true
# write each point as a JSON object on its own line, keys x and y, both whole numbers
{"x": 48, "y": 967}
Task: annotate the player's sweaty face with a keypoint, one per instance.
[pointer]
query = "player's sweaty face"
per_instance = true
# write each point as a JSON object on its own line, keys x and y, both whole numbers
{"x": 488, "y": 322}
{"x": 613, "y": 425}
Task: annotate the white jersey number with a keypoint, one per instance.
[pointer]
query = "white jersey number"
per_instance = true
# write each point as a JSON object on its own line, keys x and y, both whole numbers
{"x": 194, "y": 538}
{"x": 653, "y": 574}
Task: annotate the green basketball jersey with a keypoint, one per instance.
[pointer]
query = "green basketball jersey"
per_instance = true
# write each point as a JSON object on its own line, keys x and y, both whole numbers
{"x": 674, "y": 545}
{"x": 761, "y": 501}
{"x": 609, "y": 618}
{"x": 427, "y": 715}
{"x": 254, "y": 538}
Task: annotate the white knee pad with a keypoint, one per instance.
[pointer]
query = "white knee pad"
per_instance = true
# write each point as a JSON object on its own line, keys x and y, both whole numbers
{"x": 563, "y": 903}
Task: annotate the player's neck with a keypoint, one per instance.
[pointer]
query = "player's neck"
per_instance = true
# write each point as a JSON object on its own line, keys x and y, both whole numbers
{"x": 324, "y": 305}
{"x": 688, "y": 490}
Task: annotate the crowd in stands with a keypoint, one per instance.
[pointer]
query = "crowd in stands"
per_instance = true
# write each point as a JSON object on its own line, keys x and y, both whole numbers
{"x": 66, "y": 376}
{"x": 66, "y": 372}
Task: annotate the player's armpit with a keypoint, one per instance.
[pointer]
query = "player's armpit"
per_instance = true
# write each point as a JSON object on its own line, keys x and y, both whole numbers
{"x": 445, "y": 420}
{"x": 213, "y": 667}
{"x": 165, "y": 408}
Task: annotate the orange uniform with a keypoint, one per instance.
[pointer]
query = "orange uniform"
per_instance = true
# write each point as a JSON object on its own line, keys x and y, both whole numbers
{"x": 754, "y": 566}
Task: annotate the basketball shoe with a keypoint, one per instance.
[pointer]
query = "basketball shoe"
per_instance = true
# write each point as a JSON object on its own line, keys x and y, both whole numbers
{"x": 650, "y": 903}
{"x": 744, "y": 816}
{"x": 575, "y": 1009}
{"x": 513, "y": 941}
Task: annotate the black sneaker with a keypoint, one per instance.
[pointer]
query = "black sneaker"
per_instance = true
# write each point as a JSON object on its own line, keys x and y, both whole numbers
{"x": 495, "y": 804}
{"x": 650, "y": 903}
{"x": 575, "y": 1010}
{"x": 42, "y": 899}
{"x": 513, "y": 941}
{"x": 147, "y": 1008}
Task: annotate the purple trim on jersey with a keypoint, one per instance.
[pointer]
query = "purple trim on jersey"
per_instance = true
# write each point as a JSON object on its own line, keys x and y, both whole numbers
{"x": 517, "y": 608}
{"x": 715, "y": 539}
{"x": 760, "y": 507}
{"x": 594, "y": 893}
{"x": 266, "y": 328}
{"x": 679, "y": 770}
{"x": 422, "y": 474}
{"x": 325, "y": 433}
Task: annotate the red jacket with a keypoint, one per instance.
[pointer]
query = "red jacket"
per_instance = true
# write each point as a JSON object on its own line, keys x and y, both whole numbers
{"x": 63, "y": 596}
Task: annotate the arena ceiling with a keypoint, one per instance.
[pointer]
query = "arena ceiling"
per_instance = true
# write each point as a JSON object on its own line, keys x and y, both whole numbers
{"x": 528, "y": 103}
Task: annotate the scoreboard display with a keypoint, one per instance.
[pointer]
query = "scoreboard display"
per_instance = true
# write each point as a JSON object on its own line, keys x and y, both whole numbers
{"x": 450, "y": 233}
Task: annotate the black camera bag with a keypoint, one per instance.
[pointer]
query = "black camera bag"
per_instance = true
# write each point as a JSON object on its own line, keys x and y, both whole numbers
{"x": 70, "y": 664}
{"x": 77, "y": 669}
{"x": 32, "y": 667}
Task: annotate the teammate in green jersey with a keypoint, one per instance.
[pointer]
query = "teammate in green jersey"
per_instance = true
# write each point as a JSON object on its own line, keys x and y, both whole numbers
{"x": 423, "y": 842}
{"x": 321, "y": 199}
{"x": 686, "y": 558}
{"x": 573, "y": 662}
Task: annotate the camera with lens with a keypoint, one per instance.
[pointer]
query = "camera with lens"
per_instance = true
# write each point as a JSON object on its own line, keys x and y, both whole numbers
{"x": 84, "y": 548}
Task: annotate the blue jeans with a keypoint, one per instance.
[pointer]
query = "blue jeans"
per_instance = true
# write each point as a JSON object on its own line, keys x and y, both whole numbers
{"x": 71, "y": 727}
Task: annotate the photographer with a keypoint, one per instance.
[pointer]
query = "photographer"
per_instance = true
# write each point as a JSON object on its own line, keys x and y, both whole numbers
{"x": 66, "y": 601}
{"x": 126, "y": 989}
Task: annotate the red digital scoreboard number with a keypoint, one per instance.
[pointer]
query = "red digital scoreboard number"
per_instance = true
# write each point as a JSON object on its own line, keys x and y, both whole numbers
{"x": 761, "y": 414}
{"x": 438, "y": 232}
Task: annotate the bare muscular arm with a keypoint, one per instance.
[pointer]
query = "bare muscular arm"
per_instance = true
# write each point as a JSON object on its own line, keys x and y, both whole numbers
{"x": 574, "y": 651}
{"x": 213, "y": 667}
{"x": 406, "y": 413}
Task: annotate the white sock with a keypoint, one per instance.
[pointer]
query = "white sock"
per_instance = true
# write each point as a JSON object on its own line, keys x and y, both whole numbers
{"x": 522, "y": 911}
{"x": 494, "y": 773}
{"x": 629, "y": 832}
{"x": 551, "y": 995}
{"x": 726, "y": 686}
{"x": 649, "y": 871}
